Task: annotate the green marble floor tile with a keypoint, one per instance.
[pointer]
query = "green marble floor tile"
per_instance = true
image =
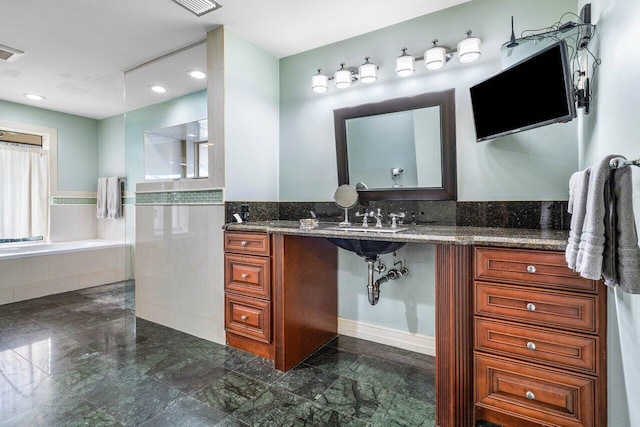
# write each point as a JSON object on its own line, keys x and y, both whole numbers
{"x": 230, "y": 392}
{"x": 274, "y": 407}
{"x": 319, "y": 416}
{"x": 417, "y": 383}
{"x": 188, "y": 375}
{"x": 231, "y": 422}
{"x": 82, "y": 367}
{"x": 186, "y": 411}
{"x": 141, "y": 402}
{"x": 307, "y": 381}
{"x": 97, "y": 418}
{"x": 48, "y": 353}
{"x": 375, "y": 371}
{"x": 332, "y": 359}
{"x": 353, "y": 345}
{"x": 260, "y": 369}
{"x": 350, "y": 397}
{"x": 398, "y": 410}
{"x": 51, "y": 412}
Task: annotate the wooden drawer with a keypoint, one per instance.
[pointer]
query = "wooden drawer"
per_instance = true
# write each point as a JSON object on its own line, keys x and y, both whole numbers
{"x": 540, "y": 307}
{"x": 537, "y": 344}
{"x": 544, "y": 268}
{"x": 249, "y": 317}
{"x": 249, "y": 275}
{"x": 533, "y": 393}
{"x": 247, "y": 243}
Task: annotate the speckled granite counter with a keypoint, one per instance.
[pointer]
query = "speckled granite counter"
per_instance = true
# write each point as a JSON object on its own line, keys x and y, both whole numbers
{"x": 431, "y": 234}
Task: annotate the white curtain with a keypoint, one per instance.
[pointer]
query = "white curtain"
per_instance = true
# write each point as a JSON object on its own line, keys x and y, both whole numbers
{"x": 24, "y": 173}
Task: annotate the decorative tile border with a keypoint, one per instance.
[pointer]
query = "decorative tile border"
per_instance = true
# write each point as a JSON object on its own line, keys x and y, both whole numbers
{"x": 198, "y": 197}
{"x": 73, "y": 200}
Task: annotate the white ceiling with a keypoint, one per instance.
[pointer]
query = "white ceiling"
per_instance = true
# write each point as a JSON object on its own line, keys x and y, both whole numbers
{"x": 77, "y": 50}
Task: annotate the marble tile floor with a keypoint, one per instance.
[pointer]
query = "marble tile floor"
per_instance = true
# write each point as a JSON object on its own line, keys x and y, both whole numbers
{"x": 83, "y": 359}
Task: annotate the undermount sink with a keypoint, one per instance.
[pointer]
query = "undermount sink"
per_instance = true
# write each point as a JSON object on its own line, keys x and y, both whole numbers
{"x": 368, "y": 229}
{"x": 367, "y": 248}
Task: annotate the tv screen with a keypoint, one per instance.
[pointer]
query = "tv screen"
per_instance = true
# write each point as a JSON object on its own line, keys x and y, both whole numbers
{"x": 534, "y": 92}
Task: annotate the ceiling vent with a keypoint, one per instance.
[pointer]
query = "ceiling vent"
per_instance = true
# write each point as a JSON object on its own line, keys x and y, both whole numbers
{"x": 9, "y": 54}
{"x": 199, "y": 7}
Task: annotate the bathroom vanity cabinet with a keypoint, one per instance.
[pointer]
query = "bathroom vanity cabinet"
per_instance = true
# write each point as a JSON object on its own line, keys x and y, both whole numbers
{"x": 539, "y": 340}
{"x": 280, "y": 295}
{"x": 520, "y": 338}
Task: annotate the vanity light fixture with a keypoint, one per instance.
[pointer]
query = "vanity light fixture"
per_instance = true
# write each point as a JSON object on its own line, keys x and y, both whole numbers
{"x": 345, "y": 76}
{"x": 34, "y": 97}
{"x": 469, "y": 49}
{"x": 158, "y": 89}
{"x": 436, "y": 56}
{"x": 368, "y": 72}
{"x": 319, "y": 82}
{"x": 197, "y": 74}
{"x": 199, "y": 7}
{"x": 405, "y": 64}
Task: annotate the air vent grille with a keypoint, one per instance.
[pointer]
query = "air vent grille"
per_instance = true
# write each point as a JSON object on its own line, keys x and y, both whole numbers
{"x": 9, "y": 54}
{"x": 199, "y": 7}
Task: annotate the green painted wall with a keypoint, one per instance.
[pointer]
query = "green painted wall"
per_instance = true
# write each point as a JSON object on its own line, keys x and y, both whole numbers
{"x": 111, "y": 146}
{"x": 531, "y": 165}
{"x": 613, "y": 127}
{"x": 77, "y": 143}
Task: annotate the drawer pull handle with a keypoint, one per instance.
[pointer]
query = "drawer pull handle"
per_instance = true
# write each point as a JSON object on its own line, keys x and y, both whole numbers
{"x": 244, "y": 243}
{"x": 531, "y": 269}
{"x": 529, "y": 395}
{"x": 531, "y": 306}
{"x": 531, "y": 345}
{"x": 244, "y": 317}
{"x": 244, "y": 275}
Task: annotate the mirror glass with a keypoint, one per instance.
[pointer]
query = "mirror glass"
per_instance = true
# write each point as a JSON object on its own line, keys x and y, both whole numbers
{"x": 176, "y": 152}
{"x": 399, "y": 149}
{"x": 346, "y": 196}
{"x": 385, "y": 150}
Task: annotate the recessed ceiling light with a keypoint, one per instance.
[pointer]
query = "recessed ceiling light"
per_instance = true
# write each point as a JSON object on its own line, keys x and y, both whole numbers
{"x": 159, "y": 89}
{"x": 199, "y": 7}
{"x": 34, "y": 97}
{"x": 197, "y": 74}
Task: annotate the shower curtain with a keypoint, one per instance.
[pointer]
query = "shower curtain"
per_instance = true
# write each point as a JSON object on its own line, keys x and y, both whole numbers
{"x": 24, "y": 173}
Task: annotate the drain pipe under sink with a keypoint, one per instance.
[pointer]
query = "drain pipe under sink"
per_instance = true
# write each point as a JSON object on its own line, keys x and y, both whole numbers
{"x": 373, "y": 288}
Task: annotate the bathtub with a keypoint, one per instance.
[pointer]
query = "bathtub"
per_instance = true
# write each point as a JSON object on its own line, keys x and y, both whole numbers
{"x": 31, "y": 270}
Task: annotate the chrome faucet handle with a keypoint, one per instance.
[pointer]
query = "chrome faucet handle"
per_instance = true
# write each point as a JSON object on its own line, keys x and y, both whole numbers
{"x": 394, "y": 217}
{"x": 364, "y": 216}
{"x": 378, "y": 217}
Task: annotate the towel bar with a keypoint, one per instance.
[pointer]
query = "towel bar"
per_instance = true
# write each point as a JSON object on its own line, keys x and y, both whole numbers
{"x": 620, "y": 162}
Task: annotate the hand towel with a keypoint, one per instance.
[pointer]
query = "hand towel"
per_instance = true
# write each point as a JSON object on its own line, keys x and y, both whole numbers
{"x": 114, "y": 198}
{"x": 101, "y": 199}
{"x": 627, "y": 267}
{"x": 592, "y": 240}
{"x": 578, "y": 186}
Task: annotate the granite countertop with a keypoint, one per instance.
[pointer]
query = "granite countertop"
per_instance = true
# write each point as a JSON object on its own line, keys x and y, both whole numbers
{"x": 431, "y": 234}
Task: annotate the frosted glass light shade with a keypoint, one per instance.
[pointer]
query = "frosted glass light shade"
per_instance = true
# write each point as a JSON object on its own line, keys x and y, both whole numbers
{"x": 435, "y": 58}
{"x": 405, "y": 64}
{"x": 342, "y": 78}
{"x": 319, "y": 83}
{"x": 368, "y": 72}
{"x": 469, "y": 49}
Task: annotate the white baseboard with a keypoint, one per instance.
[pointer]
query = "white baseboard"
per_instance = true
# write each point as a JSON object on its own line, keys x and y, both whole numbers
{"x": 402, "y": 339}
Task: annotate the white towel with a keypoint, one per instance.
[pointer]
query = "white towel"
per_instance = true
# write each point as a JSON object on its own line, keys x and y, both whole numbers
{"x": 577, "y": 207}
{"x": 114, "y": 198}
{"x": 101, "y": 200}
{"x": 627, "y": 253}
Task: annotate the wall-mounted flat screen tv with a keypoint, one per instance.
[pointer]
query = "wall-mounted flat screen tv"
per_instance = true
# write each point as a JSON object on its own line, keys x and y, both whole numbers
{"x": 534, "y": 92}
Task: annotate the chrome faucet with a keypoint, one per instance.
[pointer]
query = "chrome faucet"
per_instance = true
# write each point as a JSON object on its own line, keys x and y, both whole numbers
{"x": 364, "y": 216}
{"x": 378, "y": 216}
{"x": 394, "y": 217}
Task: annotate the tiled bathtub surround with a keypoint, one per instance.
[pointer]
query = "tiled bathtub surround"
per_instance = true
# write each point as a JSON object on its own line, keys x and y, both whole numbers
{"x": 503, "y": 214}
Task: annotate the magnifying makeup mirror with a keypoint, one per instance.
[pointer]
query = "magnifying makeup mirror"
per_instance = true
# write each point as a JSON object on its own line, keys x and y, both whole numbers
{"x": 346, "y": 197}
